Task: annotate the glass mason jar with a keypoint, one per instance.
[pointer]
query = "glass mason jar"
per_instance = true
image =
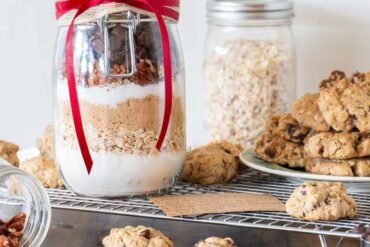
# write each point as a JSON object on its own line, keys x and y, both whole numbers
{"x": 21, "y": 193}
{"x": 249, "y": 67}
{"x": 119, "y": 73}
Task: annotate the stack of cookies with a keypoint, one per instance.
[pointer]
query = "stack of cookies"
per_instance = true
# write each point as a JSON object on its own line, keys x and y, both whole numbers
{"x": 327, "y": 132}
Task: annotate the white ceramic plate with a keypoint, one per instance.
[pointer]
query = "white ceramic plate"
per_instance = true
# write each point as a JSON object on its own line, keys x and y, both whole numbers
{"x": 249, "y": 158}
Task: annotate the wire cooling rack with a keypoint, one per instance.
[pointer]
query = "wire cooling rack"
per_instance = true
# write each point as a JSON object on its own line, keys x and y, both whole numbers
{"x": 249, "y": 181}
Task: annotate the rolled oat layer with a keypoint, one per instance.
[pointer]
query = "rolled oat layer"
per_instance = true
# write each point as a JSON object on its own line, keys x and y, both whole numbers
{"x": 247, "y": 81}
{"x": 131, "y": 127}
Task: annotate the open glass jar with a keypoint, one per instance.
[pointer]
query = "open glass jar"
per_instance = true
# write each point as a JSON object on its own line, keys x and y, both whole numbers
{"x": 21, "y": 193}
{"x": 119, "y": 68}
{"x": 249, "y": 68}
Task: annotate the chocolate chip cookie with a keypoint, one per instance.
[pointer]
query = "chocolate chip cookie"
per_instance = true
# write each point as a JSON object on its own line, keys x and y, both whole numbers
{"x": 331, "y": 145}
{"x": 356, "y": 98}
{"x": 217, "y": 162}
{"x": 334, "y": 111}
{"x": 307, "y": 113}
{"x": 349, "y": 168}
{"x": 140, "y": 236}
{"x": 285, "y": 126}
{"x": 44, "y": 170}
{"x": 8, "y": 151}
{"x": 277, "y": 150}
{"x": 216, "y": 241}
{"x": 314, "y": 201}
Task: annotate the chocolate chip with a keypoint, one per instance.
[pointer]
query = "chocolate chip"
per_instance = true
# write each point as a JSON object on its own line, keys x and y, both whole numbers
{"x": 115, "y": 42}
{"x": 3, "y": 230}
{"x": 303, "y": 192}
{"x": 303, "y": 186}
{"x": 357, "y": 76}
{"x": 118, "y": 57}
{"x": 145, "y": 233}
{"x": 337, "y": 75}
{"x": 327, "y": 201}
{"x": 97, "y": 45}
{"x": 300, "y": 136}
{"x": 120, "y": 32}
{"x": 270, "y": 152}
{"x": 290, "y": 128}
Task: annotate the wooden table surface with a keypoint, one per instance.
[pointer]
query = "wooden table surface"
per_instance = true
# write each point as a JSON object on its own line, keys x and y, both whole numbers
{"x": 86, "y": 229}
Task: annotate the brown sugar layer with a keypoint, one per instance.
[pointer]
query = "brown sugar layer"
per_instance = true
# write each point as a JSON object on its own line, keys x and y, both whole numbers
{"x": 131, "y": 127}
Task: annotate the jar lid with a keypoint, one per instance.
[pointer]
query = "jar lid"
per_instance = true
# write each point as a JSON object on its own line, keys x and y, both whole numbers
{"x": 249, "y": 10}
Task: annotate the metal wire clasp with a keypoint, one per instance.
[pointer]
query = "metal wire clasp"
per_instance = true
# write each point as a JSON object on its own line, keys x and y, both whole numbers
{"x": 130, "y": 22}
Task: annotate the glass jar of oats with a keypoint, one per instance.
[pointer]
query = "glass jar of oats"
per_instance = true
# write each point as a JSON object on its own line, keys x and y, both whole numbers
{"x": 119, "y": 74}
{"x": 249, "y": 67}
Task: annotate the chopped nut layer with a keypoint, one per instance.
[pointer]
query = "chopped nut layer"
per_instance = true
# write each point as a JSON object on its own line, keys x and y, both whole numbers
{"x": 11, "y": 231}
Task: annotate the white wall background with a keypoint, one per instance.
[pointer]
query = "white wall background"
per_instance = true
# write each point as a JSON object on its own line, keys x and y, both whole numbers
{"x": 330, "y": 34}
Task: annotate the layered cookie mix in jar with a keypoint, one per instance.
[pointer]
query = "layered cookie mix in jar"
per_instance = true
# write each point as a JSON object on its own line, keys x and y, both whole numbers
{"x": 249, "y": 68}
{"x": 122, "y": 89}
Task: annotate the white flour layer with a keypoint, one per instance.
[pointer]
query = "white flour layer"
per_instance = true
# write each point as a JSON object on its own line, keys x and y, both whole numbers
{"x": 117, "y": 175}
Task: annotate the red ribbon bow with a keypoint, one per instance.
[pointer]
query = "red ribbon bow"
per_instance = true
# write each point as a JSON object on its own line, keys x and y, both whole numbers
{"x": 167, "y": 8}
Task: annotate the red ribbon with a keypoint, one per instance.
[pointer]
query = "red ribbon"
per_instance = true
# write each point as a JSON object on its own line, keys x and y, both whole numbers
{"x": 159, "y": 8}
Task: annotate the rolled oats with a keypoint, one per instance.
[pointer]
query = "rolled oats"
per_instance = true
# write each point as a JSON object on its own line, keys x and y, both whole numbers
{"x": 124, "y": 129}
{"x": 246, "y": 82}
{"x": 124, "y": 141}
